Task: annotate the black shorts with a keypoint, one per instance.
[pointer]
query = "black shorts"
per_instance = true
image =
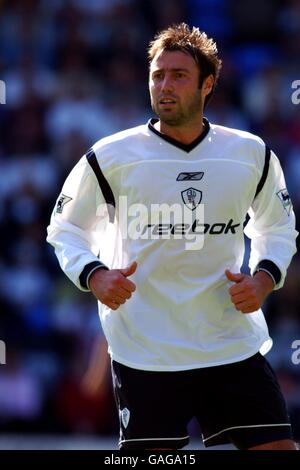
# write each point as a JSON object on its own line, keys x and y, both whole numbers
{"x": 239, "y": 403}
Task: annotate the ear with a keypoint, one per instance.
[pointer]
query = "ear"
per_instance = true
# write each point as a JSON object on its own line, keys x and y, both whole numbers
{"x": 208, "y": 85}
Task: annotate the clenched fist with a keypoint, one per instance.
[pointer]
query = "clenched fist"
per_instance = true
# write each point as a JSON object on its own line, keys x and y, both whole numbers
{"x": 249, "y": 293}
{"x": 112, "y": 287}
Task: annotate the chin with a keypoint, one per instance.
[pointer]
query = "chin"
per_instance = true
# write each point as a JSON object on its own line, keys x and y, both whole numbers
{"x": 170, "y": 121}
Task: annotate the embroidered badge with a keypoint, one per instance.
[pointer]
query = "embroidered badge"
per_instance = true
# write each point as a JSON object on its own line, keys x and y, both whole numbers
{"x": 61, "y": 202}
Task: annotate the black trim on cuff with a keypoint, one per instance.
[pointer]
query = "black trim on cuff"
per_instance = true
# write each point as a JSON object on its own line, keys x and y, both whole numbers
{"x": 83, "y": 278}
{"x": 271, "y": 267}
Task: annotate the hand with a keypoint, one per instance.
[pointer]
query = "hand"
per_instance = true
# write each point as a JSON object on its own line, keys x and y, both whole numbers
{"x": 112, "y": 287}
{"x": 249, "y": 293}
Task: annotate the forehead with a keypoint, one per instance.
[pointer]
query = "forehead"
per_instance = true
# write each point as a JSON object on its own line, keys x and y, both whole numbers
{"x": 173, "y": 60}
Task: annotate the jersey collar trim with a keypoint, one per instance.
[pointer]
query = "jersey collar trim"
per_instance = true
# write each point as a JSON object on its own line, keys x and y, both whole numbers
{"x": 185, "y": 147}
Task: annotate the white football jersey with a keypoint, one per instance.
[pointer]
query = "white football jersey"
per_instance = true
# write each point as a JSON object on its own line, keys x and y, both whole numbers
{"x": 179, "y": 211}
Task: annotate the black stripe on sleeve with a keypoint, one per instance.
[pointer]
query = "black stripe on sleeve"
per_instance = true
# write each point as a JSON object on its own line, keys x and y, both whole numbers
{"x": 270, "y": 267}
{"x": 103, "y": 183}
{"x": 87, "y": 271}
{"x": 265, "y": 171}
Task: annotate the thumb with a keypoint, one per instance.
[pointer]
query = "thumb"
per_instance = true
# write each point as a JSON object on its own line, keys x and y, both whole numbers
{"x": 234, "y": 277}
{"x": 129, "y": 270}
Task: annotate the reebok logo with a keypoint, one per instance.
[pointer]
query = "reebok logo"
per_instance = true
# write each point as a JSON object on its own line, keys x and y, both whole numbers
{"x": 190, "y": 176}
{"x": 196, "y": 228}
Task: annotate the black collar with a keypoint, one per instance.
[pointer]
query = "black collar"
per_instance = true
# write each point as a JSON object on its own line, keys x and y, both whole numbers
{"x": 185, "y": 147}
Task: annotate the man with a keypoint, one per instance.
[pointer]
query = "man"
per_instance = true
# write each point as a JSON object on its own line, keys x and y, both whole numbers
{"x": 184, "y": 326}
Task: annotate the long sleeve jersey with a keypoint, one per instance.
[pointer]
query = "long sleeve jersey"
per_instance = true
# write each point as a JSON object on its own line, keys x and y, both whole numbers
{"x": 179, "y": 211}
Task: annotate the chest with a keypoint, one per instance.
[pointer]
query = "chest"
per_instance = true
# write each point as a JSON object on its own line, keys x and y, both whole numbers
{"x": 222, "y": 185}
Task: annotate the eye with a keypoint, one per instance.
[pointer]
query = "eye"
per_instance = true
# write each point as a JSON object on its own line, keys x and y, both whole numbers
{"x": 179, "y": 75}
{"x": 157, "y": 75}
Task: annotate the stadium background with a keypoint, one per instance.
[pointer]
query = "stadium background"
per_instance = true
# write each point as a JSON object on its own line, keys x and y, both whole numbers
{"x": 76, "y": 71}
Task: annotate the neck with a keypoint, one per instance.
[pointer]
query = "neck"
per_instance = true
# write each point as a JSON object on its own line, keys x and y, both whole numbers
{"x": 184, "y": 134}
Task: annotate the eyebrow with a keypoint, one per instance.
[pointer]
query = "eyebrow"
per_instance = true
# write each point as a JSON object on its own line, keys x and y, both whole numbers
{"x": 175, "y": 69}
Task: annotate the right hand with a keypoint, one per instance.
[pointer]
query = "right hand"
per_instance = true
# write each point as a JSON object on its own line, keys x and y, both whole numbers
{"x": 112, "y": 287}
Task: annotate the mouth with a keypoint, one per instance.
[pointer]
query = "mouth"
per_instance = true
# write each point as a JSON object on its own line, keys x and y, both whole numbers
{"x": 167, "y": 102}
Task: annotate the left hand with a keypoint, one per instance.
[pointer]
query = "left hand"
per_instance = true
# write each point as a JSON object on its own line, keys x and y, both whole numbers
{"x": 249, "y": 293}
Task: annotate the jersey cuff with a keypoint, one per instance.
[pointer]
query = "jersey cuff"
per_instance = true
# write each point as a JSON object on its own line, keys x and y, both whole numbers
{"x": 87, "y": 271}
{"x": 270, "y": 268}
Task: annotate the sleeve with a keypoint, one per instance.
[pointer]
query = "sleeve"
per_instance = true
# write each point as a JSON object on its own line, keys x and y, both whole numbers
{"x": 271, "y": 226}
{"x": 79, "y": 216}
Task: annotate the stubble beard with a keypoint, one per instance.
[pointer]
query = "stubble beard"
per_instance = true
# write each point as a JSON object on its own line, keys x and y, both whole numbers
{"x": 183, "y": 116}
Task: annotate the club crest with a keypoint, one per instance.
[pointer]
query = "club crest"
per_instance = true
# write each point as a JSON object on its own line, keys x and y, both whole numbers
{"x": 125, "y": 416}
{"x": 191, "y": 197}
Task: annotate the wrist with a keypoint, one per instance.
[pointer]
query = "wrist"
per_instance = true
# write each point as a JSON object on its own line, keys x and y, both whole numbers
{"x": 265, "y": 279}
{"x": 87, "y": 272}
{"x": 95, "y": 276}
{"x": 271, "y": 269}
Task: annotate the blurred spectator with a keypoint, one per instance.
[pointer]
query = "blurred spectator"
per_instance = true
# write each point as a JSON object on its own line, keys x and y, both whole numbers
{"x": 21, "y": 395}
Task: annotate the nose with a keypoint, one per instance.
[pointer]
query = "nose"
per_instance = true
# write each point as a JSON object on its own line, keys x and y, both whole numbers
{"x": 167, "y": 85}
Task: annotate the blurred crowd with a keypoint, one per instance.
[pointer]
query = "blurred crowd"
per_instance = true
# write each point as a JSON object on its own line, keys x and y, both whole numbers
{"x": 75, "y": 71}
